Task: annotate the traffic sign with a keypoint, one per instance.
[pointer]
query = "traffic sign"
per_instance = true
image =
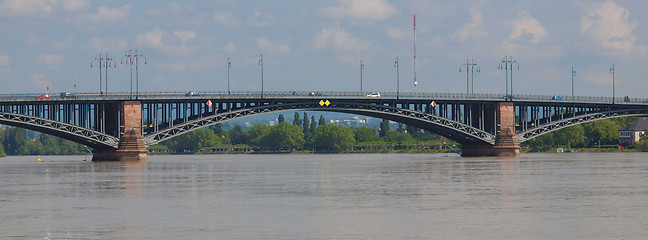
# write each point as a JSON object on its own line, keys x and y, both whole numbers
{"x": 433, "y": 104}
{"x": 209, "y": 103}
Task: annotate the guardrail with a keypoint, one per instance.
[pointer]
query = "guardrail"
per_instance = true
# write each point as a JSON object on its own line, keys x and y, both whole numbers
{"x": 328, "y": 94}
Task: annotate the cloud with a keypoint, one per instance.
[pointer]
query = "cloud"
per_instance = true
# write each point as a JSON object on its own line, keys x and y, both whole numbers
{"x": 226, "y": 19}
{"x": 38, "y": 80}
{"x": 230, "y": 47}
{"x": 338, "y": 39}
{"x": 395, "y": 33}
{"x": 360, "y": 9}
{"x": 162, "y": 41}
{"x": 268, "y": 46}
{"x": 4, "y": 64}
{"x": 105, "y": 14}
{"x": 524, "y": 24}
{"x": 258, "y": 19}
{"x": 74, "y": 5}
{"x": 27, "y": 7}
{"x": 173, "y": 9}
{"x": 474, "y": 28}
{"x": 185, "y": 35}
{"x": 50, "y": 60}
{"x": 108, "y": 44}
{"x": 609, "y": 25}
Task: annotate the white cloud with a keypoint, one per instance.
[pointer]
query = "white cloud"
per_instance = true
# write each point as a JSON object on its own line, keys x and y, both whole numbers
{"x": 268, "y": 46}
{"x": 38, "y": 80}
{"x": 395, "y": 33}
{"x": 185, "y": 35}
{"x": 108, "y": 44}
{"x": 105, "y": 14}
{"x": 360, "y": 9}
{"x": 338, "y": 39}
{"x": 609, "y": 25}
{"x": 474, "y": 28}
{"x": 173, "y": 9}
{"x": 156, "y": 39}
{"x": 50, "y": 60}
{"x": 524, "y": 24}
{"x": 230, "y": 47}
{"x": 4, "y": 64}
{"x": 226, "y": 19}
{"x": 74, "y": 5}
{"x": 27, "y": 7}
{"x": 258, "y": 19}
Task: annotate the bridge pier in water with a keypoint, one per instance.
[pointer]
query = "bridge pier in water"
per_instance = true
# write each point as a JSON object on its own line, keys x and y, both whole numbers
{"x": 505, "y": 138}
{"x": 131, "y": 142}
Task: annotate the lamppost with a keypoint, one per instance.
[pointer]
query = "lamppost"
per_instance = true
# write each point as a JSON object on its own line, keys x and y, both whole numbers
{"x": 470, "y": 69}
{"x": 105, "y": 61}
{"x": 261, "y": 63}
{"x": 362, "y": 67}
{"x": 229, "y": 66}
{"x": 573, "y": 74}
{"x": 613, "y": 92}
{"x": 132, "y": 58}
{"x": 507, "y": 65}
{"x": 397, "y": 79}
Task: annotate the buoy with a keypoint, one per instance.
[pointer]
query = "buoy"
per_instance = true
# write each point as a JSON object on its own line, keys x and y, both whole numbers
{"x": 39, "y": 158}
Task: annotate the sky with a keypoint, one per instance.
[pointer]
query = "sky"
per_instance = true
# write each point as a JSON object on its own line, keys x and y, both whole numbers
{"x": 318, "y": 45}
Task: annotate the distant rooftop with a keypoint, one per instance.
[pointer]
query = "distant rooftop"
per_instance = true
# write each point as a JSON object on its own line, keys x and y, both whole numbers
{"x": 638, "y": 125}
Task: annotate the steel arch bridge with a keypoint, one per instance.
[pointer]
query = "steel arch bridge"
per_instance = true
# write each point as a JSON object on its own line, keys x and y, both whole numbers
{"x": 99, "y": 121}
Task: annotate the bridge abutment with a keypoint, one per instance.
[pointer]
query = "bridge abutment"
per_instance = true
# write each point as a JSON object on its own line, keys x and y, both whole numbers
{"x": 131, "y": 142}
{"x": 505, "y": 139}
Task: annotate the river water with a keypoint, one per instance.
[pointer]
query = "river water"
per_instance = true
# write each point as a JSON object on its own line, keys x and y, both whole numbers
{"x": 344, "y": 196}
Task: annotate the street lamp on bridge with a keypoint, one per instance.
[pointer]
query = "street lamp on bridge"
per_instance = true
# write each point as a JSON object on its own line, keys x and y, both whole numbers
{"x": 229, "y": 66}
{"x": 105, "y": 61}
{"x": 612, "y": 72}
{"x": 261, "y": 63}
{"x": 507, "y": 65}
{"x": 397, "y": 78}
{"x": 470, "y": 68}
{"x": 132, "y": 58}
{"x": 362, "y": 67}
{"x": 573, "y": 74}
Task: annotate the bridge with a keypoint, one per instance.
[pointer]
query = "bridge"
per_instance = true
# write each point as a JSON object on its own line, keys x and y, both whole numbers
{"x": 119, "y": 126}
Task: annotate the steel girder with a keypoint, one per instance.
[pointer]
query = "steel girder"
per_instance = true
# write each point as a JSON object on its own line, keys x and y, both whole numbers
{"x": 463, "y": 132}
{"x": 556, "y": 125}
{"x": 70, "y": 132}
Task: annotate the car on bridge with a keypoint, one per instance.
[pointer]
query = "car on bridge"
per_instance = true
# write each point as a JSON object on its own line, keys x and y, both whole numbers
{"x": 192, "y": 94}
{"x": 315, "y": 94}
{"x": 67, "y": 95}
{"x": 557, "y": 98}
{"x": 43, "y": 96}
{"x": 373, "y": 94}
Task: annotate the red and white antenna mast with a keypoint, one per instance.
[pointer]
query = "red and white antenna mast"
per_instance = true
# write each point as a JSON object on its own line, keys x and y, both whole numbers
{"x": 415, "y": 81}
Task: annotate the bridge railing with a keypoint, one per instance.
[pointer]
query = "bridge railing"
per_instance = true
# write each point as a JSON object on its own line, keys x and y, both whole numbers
{"x": 327, "y": 94}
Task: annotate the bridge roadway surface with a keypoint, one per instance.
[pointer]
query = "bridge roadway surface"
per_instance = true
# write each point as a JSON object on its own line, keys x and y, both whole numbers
{"x": 485, "y": 124}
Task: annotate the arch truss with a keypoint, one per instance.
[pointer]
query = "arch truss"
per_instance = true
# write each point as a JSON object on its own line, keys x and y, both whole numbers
{"x": 71, "y": 132}
{"x": 452, "y": 129}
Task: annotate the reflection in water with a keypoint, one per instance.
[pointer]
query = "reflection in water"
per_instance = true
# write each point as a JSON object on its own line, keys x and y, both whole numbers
{"x": 355, "y": 196}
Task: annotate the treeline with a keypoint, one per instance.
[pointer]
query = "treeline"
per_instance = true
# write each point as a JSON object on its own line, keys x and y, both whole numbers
{"x": 589, "y": 135}
{"x": 303, "y": 133}
{"x": 15, "y": 141}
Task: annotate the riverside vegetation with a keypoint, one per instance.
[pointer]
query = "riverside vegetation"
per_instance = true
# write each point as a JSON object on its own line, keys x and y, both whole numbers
{"x": 306, "y": 134}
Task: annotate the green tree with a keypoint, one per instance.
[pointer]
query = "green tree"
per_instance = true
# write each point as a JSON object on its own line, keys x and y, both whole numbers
{"x": 194, "y": 141}
{"x": 573, "y": 136}
{"x": 296, "y": 120}
{"x": 365, "y": 134}
{"x": 333, "y": 137}
{"x": 284, "y": 136}
{"x": 642, "y": 145}
{"x": 322, "y": 121}
{"x": 306, "y": 124}
{"x": 399, "y": 137}
{"x": 257, "y": 133}
{"x": 384, "y": 128}
{"x": 280, "y": 119}
{"x": 607, "y": 130}
{"x": 237, "y": 136}
{"x": 313, "y": 124}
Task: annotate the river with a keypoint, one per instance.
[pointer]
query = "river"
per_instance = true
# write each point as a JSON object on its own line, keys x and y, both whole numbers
{"x": 327, "y": 196}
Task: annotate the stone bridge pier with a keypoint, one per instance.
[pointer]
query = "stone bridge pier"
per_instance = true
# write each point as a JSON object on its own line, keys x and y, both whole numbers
{"x": 131, "y": 142}
{"x": 505, "y": 140}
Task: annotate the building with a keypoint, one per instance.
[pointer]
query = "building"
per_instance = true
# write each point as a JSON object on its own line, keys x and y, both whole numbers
{"x": 633, "y": 132}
